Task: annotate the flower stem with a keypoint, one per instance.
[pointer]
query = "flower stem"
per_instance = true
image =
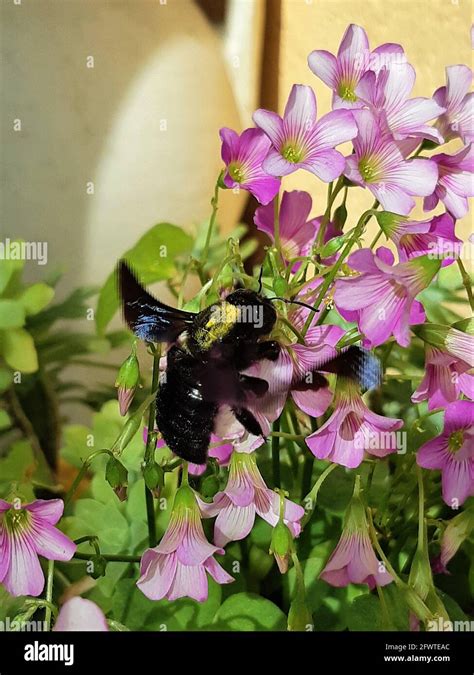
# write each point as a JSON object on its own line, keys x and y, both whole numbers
{"x": 49, "y": 594}
{"x": 150, "y": 448}
{"x": 421, "y": 509}
{"x": 466, "y": 282}
{"x": 290, "y": 437}
{"x": 312, "y": 496}
{"x": 82, "y": 472}
{"x": 332, "y": 194}
{"x": 210, "y": 229}
{"x": 276, "y": 452}
{"x": 110, "y": 557}
{"x": 337, "y": 265}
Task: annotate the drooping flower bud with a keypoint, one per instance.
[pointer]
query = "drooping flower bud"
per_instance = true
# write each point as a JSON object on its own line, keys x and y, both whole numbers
{"x": 154, "y": 477}
{"x": 117, "y": 477}
{"x": 457, "y": 531}
{"x": 128, "y": 379}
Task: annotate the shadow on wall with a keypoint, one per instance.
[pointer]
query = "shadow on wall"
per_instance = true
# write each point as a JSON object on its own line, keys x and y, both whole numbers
{"x": 120, "y": 103}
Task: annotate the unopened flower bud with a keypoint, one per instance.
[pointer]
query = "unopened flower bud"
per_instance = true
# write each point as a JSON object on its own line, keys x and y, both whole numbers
{"x": 299, "y": 616}
{"x": 128, "y": 379}
{"x": 333, "y": 246}
{"x": 99, "y": 566}
{"x": 153, "y": 475}
{"x": 281, "y": 545}
{"x": 340, "y": 217}
{"x": 117, "y": 477}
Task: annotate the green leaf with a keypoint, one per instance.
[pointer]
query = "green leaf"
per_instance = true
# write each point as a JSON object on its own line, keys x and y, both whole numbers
{"x": 7, "y": 268}
{"x": 36, "y": 297}
{"x": 364, "y": 614}
{"x": 6, "y": 378}
{"x": 19, "y": 350}
{"x": 5, "y": 421}
{"x": 19, "y": 464}
{"x": 12, "y": 314}
{"x": 153, "y": 258}
{"x": 249, "y": 612}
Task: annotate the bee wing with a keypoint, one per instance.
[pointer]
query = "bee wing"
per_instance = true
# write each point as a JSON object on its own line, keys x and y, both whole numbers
{"x": 146, "y": 316}
{"x": 357, "y": 364}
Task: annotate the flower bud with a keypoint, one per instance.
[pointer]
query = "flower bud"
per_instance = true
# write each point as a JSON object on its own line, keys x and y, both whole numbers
{"x": 117, "y": 477}
{"x": 129, "y": 430}
{"x": 299, "y": 616}
{"x": 340, "y": 217}
{"x": 153, "y": 475}
{"x": 99, "y": 566}
{"x": 333, "y": 246}
{"x": 281, "y": 545}
{"x": 128, "y": 379}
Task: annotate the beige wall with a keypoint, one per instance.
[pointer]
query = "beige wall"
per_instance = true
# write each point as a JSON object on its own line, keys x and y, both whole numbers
{"x": 434, "y": 33}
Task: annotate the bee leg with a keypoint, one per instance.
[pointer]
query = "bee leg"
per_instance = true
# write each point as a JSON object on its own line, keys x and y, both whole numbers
{"x": 256, "y": 385}
{"x": 270, "y": 349}
{"x": 247, "y": 420}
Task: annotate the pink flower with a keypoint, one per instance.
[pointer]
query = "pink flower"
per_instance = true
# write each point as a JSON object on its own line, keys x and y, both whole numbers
{"x": 379, "y": 165}
{"x": 79, "y": 614}
{"x": 243, "y": 156}
{"x": 455, "y": 97}
{"x": 382, "y": 299}
{"x": 353, "y": 560}
{"x": 387, "y": 94}
{"x": 245, "y": 496}
{"x": 27, "y": 531}
{"x": 455, "y": 183}
{"x": 309, "y": 390}
{"x": 353, "y": 429}
{"x": 453, "y": 453}
{"x": 446, "y": 378}
{"x": 219, "y": 449}
{"x": 178, "y": 566}
{"x": 434, "y": 237}
{"x": 343, "y": 73}
{"x": 299, "y": 142}
{"x": 297, "y": 232}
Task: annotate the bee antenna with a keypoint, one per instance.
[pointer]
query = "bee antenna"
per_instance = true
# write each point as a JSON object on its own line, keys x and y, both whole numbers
{"x": 295, "y": 302}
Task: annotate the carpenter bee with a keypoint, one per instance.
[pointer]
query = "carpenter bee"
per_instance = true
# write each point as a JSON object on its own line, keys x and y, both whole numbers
{"x": 209, "y": 350}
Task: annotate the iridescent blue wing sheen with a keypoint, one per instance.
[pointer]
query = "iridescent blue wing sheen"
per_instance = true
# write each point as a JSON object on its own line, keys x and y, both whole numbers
{"x": 146, "y": 316}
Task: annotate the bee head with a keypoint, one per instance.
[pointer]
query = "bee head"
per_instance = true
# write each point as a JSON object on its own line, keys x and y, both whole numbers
{"x": 256, "y": 313}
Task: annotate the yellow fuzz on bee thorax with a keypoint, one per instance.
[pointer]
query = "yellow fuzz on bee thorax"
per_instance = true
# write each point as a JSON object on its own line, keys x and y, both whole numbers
{"x": 221, "y": 321}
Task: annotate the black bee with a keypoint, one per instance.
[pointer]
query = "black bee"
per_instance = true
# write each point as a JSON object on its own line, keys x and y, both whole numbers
{"x": 208, "y": 352}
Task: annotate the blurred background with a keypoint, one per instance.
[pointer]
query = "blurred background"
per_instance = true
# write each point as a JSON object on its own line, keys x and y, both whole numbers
{"x": 120, "y": 103}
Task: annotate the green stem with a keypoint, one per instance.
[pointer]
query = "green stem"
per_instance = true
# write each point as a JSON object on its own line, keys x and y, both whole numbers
{"x": 291, "y": 437}
{"x": 210, "y": 229}
{"x": 109, "y": 557}
{"x": 185, "y": 474}
{"x": 466, "y": 282}
{"x": 386, "y": 622}
{"x": 276, "y": 222}
{"x": 49, "y": 594}
{"x": 82, "y": 472}
{"x": 421, "y": 509}
{"x": 276, "y": 452}
{"x": 313, "y": 494}
{"x": 332, "y": 194}
{"x": 150, "y": 448}
{"x": 338, "y": 264}
{"x": 376, "y": 238}
{"x": 92, "y": 539}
